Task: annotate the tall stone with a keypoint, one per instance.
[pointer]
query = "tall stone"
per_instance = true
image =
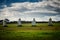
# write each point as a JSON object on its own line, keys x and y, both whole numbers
{"x": 4, "y": 23}
{"x": 33, "y": 22}
{"x": 50, "y": 22}
{"x": 19, "y": 22}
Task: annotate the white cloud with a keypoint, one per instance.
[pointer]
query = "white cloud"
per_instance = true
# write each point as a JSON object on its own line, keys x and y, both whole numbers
{"x": 27, "y": 11}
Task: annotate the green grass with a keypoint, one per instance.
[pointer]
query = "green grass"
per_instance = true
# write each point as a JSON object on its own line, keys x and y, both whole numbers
{"x": 42, "y": 35}
{"x": 41, "y": 32}
{"x": 37, "y": 24}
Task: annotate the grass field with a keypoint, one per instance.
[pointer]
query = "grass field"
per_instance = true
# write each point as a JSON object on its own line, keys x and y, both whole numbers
{"x": 40, "y": 32}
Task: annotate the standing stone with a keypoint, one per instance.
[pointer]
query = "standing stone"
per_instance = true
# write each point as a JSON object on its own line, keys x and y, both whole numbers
{"x": 19, "y": 22}
{"x": 4, "y": 23}
{"x": 50, "y": 22}
{"x": 33, "y": 22}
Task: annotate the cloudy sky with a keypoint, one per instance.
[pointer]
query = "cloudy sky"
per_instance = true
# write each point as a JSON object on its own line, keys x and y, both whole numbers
{"x": 41, "y": 10}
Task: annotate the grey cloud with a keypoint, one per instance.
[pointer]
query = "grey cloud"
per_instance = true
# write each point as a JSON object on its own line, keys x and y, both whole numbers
{"x": 39, "y": 10}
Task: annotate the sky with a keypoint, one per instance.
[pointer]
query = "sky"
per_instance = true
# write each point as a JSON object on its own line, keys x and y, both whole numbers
{"x": 41, "y": 10}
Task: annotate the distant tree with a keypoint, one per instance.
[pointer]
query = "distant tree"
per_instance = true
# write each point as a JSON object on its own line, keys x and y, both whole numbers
{"x": 1, "y": 21}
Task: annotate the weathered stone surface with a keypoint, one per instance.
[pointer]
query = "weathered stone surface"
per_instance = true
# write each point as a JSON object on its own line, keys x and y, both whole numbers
{"x": 19, "y": 22}
{"x": 50, "y": 22}
{"x": 33, "y": 22}
{"x": 4, "y": 23}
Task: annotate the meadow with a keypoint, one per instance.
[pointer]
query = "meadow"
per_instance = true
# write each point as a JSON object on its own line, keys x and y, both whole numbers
{"x": 28, "y": 32}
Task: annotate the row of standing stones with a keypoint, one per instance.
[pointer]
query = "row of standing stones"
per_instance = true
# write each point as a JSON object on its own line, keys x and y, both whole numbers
{"x": 33, "y": 23}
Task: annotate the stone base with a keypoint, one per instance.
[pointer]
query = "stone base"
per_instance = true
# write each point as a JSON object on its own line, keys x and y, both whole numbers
{"x": 5, "y": 26}
{"x": 33, "y": 25}
{"x": 19, "y": 25}
{"x": 50, "y": 25}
